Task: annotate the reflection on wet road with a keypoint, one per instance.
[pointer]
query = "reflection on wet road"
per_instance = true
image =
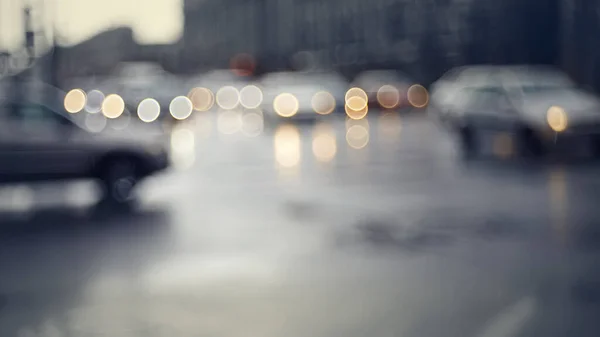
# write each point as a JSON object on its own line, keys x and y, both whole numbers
{"x": 335, "y": 228}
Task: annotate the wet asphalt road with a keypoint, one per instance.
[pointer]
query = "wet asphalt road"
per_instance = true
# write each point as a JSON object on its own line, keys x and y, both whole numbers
{"x": 338, "y": 229}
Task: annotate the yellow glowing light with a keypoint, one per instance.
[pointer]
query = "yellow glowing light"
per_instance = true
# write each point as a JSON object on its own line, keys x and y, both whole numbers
{"x": 356, "y": 92}
{"x": 202, "y": 99}
{"x": 417, "y": 96}
{"x": 181, "y": 107}
{"x": 228, "y": 98}
{"x": 356, "y": 103}
{"x": 113, "y": 106}
{"x": 75, "y": 101}
{"x": 252, "y": 123}
{"x": 324, "y": 144}
{"x": 357, "y": 137}
{"x": 251, "y": 97}
{"x": 148, "y": 110}
{"x": 388, "y": 97}
{"x": 323, "y": 103}
{"x": 557, "y": 118}
{"x": 287, "y": 146}
{"x": 356, "y": 108}
{"x": 286, "y": 105}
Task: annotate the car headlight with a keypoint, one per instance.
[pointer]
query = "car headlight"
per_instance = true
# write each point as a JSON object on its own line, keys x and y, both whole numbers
{"x": 557, "y": 119}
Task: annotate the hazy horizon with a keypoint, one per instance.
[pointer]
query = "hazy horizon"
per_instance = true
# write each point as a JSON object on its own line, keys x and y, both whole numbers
{"x": 152, "y": 21}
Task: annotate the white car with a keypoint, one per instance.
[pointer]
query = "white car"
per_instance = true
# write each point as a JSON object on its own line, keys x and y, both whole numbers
{"x": 303, "y": 95}
{"x": 39, "y": 143}
{"x": 537, "y": 108}
{"x": 446, "y": 91}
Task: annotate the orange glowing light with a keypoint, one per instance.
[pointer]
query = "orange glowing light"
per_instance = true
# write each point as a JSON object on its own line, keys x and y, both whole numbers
{"x": 202, "y": 99}
{"x": 417, "y": 96}
{"x": 356, "y": 107}
{"x": 388, "y": 97}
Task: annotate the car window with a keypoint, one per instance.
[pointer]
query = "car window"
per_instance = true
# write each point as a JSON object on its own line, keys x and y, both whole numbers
{"x": 487, "y": 99}
{"x": 37, "y": 114}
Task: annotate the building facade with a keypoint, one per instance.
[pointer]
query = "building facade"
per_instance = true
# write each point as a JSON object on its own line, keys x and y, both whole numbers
{"x": 423, "y": 37}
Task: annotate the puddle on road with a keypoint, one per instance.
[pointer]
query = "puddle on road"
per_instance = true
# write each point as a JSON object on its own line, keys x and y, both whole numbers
{"x": 389, "y": 235}
{"x": 430, "y": 231}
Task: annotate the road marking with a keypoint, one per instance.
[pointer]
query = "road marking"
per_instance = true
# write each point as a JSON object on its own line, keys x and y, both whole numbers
{"x": 510, "y": 321}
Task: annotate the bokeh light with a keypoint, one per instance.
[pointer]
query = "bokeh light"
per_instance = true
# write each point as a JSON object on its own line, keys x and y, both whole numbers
{"x": 252, "y": 123}
{"x": 356, "y": 92}
{"x": 388, "y": 97}
{"x": 181, "y": 107}
{"x": 288, "y": 146}
{"x": 75, "y": 101}
{"x": 324, "y": 143}
{"x": 417, "y": 96}
{"x": 323, "y": 103}
{"x": 228, "y": 98}
{"x": 148, "y": 110}
{"x": 557, "y": 118}
{"x": 95, "y": 98}
{"x": 113, "y": 106}
{"x": 202, "y": 99}
{"x": 356, "y": 107}
{"x": 357, "y": 136}
{"x": 229, "y": 122}
{"x": 251, "y": 97}
{"x": 286, "y": 105}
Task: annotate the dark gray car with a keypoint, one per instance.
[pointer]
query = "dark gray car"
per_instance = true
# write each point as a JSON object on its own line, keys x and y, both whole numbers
{"x": 40, "y": 144}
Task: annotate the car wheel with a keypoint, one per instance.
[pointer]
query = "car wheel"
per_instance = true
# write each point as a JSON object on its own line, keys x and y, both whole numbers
{"x": 530, "y": 145}
{"x": 119, "y": 178}
{"x": 467, "y": 141}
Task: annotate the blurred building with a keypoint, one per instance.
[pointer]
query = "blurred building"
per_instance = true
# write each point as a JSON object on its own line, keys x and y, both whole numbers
{"x": 423, "y": 37}
{"x": 579, "y": 51}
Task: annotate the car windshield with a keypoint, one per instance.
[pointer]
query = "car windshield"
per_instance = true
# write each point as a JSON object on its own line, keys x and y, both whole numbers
{"x": 546, "y": 88}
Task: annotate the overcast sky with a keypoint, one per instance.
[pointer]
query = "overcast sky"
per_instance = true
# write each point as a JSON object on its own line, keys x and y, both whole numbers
{"x": 152, "y": 21}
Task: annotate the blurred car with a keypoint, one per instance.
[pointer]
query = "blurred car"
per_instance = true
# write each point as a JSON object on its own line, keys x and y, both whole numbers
{"x": 303, "y": 95}
{"x": 446, "y": 91}
{"x": 385, "y": 89}
{"x": 523, "y": 109}
{"x": 140, "y": 80}
{"x": 40, "y": 143}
